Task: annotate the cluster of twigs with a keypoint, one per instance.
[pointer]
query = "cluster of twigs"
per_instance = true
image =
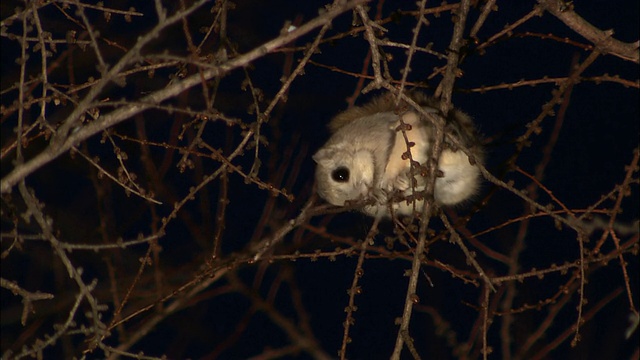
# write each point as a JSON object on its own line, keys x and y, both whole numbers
{"x": 147, "y": 173}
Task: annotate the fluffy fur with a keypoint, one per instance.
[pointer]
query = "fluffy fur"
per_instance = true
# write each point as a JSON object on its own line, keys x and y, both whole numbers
{"x": 364, "y": 159}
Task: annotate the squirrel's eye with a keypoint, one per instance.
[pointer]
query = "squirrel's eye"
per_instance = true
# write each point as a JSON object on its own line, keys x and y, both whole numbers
{"x": 340, "y": 174}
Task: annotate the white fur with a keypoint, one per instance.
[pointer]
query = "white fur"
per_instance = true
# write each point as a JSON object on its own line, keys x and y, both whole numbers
{"x": 369, "y": 146}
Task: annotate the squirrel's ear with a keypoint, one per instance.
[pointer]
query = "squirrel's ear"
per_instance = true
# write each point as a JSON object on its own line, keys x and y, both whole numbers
{"x": 322, "y": 155}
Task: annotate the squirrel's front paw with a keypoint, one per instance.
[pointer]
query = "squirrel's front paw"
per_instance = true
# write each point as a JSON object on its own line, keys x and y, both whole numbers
{"x": 380, "y": 195}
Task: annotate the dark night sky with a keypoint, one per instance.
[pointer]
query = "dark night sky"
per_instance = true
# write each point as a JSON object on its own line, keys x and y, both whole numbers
{"x": 596, "y": 142}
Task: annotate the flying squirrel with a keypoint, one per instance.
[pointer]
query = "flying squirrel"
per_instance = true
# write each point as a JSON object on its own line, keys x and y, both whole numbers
{"x": 366, "y": 158}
